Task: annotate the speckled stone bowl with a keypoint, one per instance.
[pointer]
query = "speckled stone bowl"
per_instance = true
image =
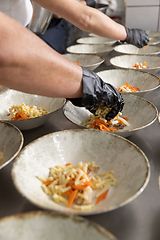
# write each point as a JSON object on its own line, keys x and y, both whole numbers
{"x": 89, "y": 61}
{"x": 154, "y": 41}
{"x": 103, "y": 50}
{"x": 145, "y": 81}
{"x": 11, "y": 142}
{"x": 12, "y": 97}
{"x": 141, "y": 114}
{"x": 108, "y": 151}
{"x": 96, "y": 40}
{"x": 131, "y": 49}
{"x": 128, "y": 61}
{"x": 43, "y": 225}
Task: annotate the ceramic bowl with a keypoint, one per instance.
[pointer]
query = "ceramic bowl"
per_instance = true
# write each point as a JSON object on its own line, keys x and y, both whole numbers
{"x": 131, "y": 49}
{"x": 43, "y": 225}
{"x": 154, "y": 41}
{"x": 11, "y": 142}
{"x": 145, "y": 81}
{"x": 128, "y": 61}
{"x": 135, "y": 108}
{"x": 96, "y": 40}
{"x": 108, "y": 151}
{"x": 12, "y": 97}
{"x": 89, "y": 61}
{"x": 103, "y": 50}
{"x": 152, "y": 34}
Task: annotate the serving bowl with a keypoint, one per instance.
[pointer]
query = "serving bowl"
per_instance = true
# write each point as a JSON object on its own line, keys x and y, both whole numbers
{"x": 145, "y": 81}
{"x": 140, "y": 112}
{"x": 108, "y": 151}
{"x": 128, "y": 61}
{"x": 13, "y": 97}
{"x": 103, "y": 50}
{"x": 40, "y": 225}
{"x": 154, "y": 41}
{"x": 96, "y": 40}
{"x": 89, "y": 61}
{"x": 131, "y": 49}
{"x": 11, "y": 142}
{"x": 152, "y": 34}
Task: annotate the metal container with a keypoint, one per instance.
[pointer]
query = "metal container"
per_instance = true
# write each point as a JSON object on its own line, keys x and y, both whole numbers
{"x": 40, "y": 19}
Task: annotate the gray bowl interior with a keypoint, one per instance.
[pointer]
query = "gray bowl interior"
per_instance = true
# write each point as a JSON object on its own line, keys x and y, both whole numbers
{"x": 128, "y": 61}
{"x": 154, "y": 41}
{"x": 89, "y": 61}
{"x": 146, "y": 82}
{"x": 11, "y": 142}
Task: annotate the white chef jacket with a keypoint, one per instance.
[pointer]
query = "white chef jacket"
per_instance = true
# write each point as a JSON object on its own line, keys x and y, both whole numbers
{"x": 20, "y": 10}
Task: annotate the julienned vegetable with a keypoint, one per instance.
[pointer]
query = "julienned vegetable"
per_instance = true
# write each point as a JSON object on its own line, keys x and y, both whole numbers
{"x": 78, "y": 186}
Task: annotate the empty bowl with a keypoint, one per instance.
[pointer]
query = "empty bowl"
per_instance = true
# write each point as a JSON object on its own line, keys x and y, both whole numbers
{"x": 110, "y": 152}
{"x": 140, "y": 112}
{"x": 11, "y": 142}
{"x": 13, "y": 97}
{"x": 128, "y": 61}
{"x": 89, "y": 61}
{"x": 96, "y": 40}
{"x": 43, "y": 225}
{"x": 100, "y": 49}
{"x": 146, "y": 82}
{"x": 131, "y": 49}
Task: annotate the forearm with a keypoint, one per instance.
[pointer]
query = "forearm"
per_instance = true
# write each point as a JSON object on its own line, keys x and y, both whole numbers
{"x": 85, "y": 18}
{"x": 28, "y": 64}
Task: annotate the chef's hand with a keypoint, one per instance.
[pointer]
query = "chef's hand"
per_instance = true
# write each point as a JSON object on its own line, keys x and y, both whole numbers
{"x": 137, "y": 37}
{"x": 98, "y": 93}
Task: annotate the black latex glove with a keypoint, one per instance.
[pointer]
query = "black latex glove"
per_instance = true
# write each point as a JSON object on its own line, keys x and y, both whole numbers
{"x": 136, "y": 37}
{"x": 96, "y": 93}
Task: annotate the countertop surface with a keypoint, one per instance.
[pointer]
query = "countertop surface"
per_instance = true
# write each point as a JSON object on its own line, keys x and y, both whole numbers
{"x": 139, "y": 219}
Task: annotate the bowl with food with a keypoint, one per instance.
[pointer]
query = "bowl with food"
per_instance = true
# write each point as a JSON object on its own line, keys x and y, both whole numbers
{"x": 144, "y": 63}
{"x": 125, "y": 123}
{"x": 103, "y": 50}
{"x": 27, "y": 111}
{"x": 130, "y": 81}
{"x": 154, "y": 41}
{"x": 89, "y": 61}
{"x": 96, "y": 40}
{"x": 81, "y": 172}
{"x": 42, "y": 225}
{"x": 11, "y": 143}
{"x": 131, "y": 49}
{"x": 152, "y": 34}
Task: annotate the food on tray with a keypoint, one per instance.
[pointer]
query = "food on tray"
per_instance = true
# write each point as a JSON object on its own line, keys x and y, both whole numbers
{"x": 1, "y": 156}
{"x": 98, "y": 121}
{"x": 21, "y": 112}
{"x": 140, "y": 65}
{"x": 79, "y": 185}
{"x": 127, "y": 88}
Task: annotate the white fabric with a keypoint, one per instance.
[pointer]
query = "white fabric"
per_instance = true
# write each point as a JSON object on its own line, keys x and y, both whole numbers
{"x": 20, "y": 10}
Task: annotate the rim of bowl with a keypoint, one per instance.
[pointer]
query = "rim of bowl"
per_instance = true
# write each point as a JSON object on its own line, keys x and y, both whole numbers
{"x": 147, "y": 54}
{"x": 20, "y": 146}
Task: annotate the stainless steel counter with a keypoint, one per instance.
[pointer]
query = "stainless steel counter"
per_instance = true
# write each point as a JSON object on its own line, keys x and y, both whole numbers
{"x": 138, "y": 220}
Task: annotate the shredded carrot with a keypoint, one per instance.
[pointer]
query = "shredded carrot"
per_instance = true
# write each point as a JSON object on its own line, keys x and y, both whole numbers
{"x": 125, "y": 118}
{"x": 144, "y": 47}
{"x": 68, "y": 164}
{"x": 48, "y": 182}
{"x": 68, "y": 193}
{"x": 23, "y": 115}
{"x": 144, "y": 63}
{"x": 72, "y": 197}
{"x": 102, "y": 196}
{"x": 78, "y": 62}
